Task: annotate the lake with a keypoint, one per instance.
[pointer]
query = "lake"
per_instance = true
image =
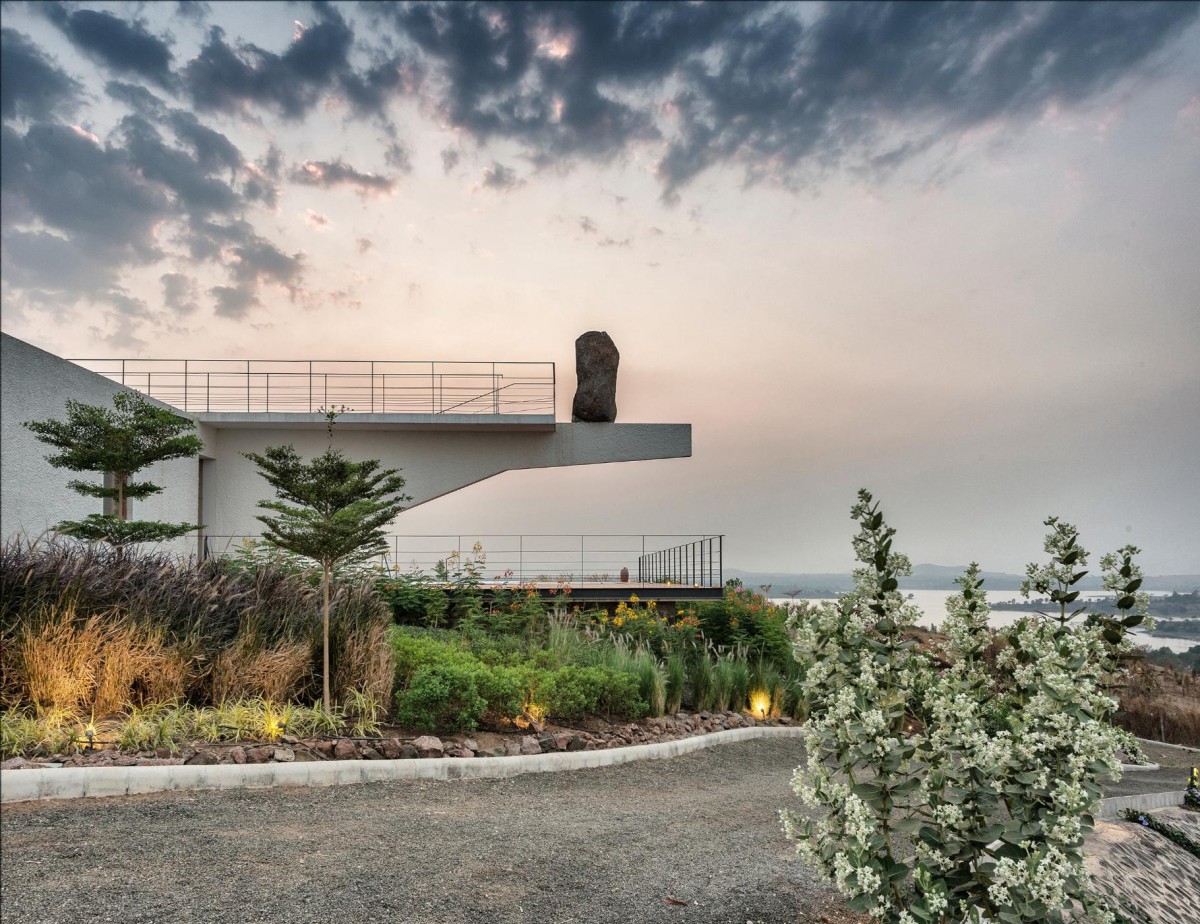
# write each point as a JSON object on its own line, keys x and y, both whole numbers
{"x": 933, "y": 604}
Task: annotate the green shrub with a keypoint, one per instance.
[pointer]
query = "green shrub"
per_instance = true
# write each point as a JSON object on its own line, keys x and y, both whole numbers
{"x": 701, "y": 681}
{"x": 503, "y": 689}
{"x": 651, "y": 682}
{"x": 723, "y": 681}
{"x": 573, "y": 691}
{"x": 441, "y": 696}
{"x": 676, "y": 681}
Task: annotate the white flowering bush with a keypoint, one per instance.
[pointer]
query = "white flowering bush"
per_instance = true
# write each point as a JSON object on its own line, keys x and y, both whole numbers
{"x": 949, "y": 789}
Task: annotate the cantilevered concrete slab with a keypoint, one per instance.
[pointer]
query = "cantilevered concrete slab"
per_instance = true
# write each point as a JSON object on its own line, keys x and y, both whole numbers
{"x": 433, "y": 462}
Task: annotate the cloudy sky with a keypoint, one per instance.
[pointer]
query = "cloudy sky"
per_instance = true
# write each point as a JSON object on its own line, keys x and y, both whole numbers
{"x": 949, "y": 253}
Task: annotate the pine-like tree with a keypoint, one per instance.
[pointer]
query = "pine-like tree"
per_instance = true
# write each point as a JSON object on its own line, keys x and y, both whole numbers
{"x": 329, "y": 510}
{"x": 118, "y": 442}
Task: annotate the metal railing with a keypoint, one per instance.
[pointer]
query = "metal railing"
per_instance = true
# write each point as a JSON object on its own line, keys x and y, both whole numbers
{"x": 575, "y": 559}
{"x": 696, "y": 563}
{"x": 306, "y": 386}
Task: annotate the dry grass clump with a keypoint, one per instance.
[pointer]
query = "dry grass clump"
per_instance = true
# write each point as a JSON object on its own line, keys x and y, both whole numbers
{"x": 1160, "y": 719}
{"x": 248, "y": 668}
{"x": 83, "y": 629}
{"x": 97, "y": 664}
{"x": 365, "y": 663}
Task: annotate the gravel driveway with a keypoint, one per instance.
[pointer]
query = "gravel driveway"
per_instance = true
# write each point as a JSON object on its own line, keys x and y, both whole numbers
{"x": 610, "y": 845}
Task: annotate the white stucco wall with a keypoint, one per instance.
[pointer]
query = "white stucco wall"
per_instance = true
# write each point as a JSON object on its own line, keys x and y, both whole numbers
{"x": 35, "y": 385}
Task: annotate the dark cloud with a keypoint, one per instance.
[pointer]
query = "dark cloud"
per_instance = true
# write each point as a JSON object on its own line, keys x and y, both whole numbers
{"x": 316, "y": 64}
{"x": 257, "y": 260}
{"x": 60, "y": 177}
{"x": 179, "y": 292}
{"x": 586, "y": 225}
{"x": 614, "y": 242}
{"x": 195, "y": 10}
{"x": 137, "y": 98}
{"x": 233, "y": 302}
{"x": 851, "y": 86}
{"x": 122, "y": 46}
{"x": 32, "y": 86}
{"x": 500, "y": 178}
{"x": 52, "y": 265}
{"x": 398, "y": 156}
{"x": 369, "y": 91}
{"x": 330, "y": 173}
{"x": 213, "y": 151}
{"x": 450, "y": 159}
{"x": 364, "y": 244}
{"x": 189, "y": 180}
{"x": 551, "y": 76}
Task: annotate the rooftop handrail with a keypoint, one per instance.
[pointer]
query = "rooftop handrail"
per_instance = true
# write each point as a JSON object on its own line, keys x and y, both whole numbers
{"x": 693, "y": 559}
{"x": 363, "y": 386}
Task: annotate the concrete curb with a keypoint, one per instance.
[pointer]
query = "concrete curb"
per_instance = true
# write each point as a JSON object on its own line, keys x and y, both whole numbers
{"x": 96, "y": 782}
{"x": 1134, "y": 768}
{"x": 1144, "y": 802}
{"x": 1166, "y": 744}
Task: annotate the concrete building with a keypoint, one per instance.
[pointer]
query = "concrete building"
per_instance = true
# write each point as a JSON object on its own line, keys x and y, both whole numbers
{"x": 445, "y": 426}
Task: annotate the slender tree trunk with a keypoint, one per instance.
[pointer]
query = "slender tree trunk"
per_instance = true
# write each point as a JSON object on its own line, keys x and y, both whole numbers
{"x": 325, "y": 578}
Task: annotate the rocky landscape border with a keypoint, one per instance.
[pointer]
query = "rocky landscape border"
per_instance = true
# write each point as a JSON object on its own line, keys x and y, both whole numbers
{"x": 294, "y": 762}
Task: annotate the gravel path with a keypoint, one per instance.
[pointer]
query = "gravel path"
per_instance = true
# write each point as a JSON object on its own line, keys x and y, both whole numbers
{"x": 607, "y": 845}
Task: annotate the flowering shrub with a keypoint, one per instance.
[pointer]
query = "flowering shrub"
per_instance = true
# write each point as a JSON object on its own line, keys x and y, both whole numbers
{"x": 1170, "y": 832}
{"x": 641, "y": 624}
{"x": 960, "y": 794}
{"x": 746, "y": 619}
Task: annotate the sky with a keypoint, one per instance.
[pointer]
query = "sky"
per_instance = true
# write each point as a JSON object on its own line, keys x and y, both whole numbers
{"x": 948, "y": 253}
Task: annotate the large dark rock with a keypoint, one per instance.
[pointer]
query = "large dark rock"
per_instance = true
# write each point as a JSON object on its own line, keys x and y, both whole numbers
{"x": 596, "y": 360}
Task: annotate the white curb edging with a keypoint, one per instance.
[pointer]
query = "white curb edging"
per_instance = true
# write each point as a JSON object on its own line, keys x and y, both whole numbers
{"x": 1144, "y": 802}
{"x": 94, "y": 782}
{"x": 1167, "y": 744}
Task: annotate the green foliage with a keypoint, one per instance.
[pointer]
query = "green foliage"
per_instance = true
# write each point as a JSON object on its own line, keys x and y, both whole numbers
{"x": 330, "y": 509}
{"x": 30, "y": 733}
{"x": 363, "y": 712}
{"x": 676, "y": 681}
{"x": 118, "y": 442}
{"x": 441, "y": 696}
{"x": 506, "y": 682}
{"x": 961, "y": 794}
{"x": 1170, "y": 832}
{"x": 652, "y": 685}
{"x": 746, "y": 620}
{"x": 572, "y": 691}
{"x": 702, "y": 682}
{"x": 96, "y": 527}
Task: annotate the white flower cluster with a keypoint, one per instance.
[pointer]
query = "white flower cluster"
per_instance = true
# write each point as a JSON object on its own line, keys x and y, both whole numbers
{"x": 1022, "y": 740}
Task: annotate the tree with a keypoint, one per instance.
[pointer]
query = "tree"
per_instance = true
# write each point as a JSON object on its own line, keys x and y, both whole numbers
{"x": 329, "y": 510}
{"x": 119, "y": 443}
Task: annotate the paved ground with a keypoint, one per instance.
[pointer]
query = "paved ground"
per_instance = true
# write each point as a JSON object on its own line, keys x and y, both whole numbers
{"x": 1176, "y": 764}
{"x": 609, "y": 845}
{"x": 620, "y": 844}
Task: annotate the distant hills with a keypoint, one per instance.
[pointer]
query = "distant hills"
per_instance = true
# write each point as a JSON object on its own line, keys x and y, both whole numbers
{"x": 929, "y": 577}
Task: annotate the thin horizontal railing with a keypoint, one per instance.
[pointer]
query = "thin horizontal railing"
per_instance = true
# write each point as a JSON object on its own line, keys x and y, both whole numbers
{"x": 575, "y": 559}
{"x": 697, "y": 563}
{"x": 362, "y": 386}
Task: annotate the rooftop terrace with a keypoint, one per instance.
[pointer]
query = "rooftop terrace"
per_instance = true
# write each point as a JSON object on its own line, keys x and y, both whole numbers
{"x": 222, "y": 391}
